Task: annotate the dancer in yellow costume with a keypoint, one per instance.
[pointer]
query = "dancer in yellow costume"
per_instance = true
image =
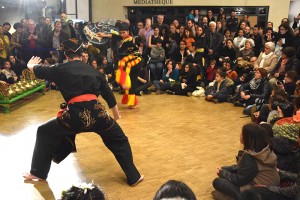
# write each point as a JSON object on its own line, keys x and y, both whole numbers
{"x": 129, "y": 62}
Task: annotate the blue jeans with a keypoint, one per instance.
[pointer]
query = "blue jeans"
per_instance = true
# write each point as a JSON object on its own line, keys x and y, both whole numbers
{"x": 156, "y": 69}
{"x": 161, "y": 86}
{"x": 225, "y": 186}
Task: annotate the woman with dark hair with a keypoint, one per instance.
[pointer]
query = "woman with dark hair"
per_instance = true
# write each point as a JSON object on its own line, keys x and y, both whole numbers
{"x": 228, "y": 52}
{"x": 256, "y": 90}
{"x": 83, "y": 191}
{"x": 173, "y": 189}
{"x": 169, "y": 77}
{"x": 187, "y": 83}
{"x": 256, "y": 164}
{"x": 287, "y": 62}
{"x": 188, "y": 36}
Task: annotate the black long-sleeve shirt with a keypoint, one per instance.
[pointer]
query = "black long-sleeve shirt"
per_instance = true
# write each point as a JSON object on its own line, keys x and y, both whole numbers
{"x": 76, "y": 78}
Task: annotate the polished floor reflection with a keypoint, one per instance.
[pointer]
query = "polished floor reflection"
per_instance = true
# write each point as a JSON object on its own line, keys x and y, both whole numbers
{"x": 172, "y": 137}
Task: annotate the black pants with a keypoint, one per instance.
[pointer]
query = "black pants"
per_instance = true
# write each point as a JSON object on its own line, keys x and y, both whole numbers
{"x": 51, "y": 134}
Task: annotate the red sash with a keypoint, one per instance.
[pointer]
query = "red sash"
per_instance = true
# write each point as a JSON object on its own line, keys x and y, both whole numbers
{"x": 80, "y": 98}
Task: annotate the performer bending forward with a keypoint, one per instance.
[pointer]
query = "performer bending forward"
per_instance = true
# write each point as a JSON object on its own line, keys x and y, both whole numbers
{"x": 129, "y": 62}
{"x": 80, "y": 84}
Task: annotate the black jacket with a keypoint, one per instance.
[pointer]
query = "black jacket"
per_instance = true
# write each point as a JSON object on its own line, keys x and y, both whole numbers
{"x": 261, "y": 92}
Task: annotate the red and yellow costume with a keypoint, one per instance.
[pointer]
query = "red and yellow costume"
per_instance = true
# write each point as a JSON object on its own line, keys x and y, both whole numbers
{"x": 128, "y": 70}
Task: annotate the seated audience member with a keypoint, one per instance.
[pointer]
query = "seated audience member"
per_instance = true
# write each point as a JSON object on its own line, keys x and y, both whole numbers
{"x": 187, "y": 83}
{"x": 269, "y": 36}
{"x": 170, "y": 76}
{"x": 210, "y": 72}
{"x": 256, "y": 91}
{"x": 270, "y": 112}
{"x": 173, "y": 189}
{"x": 50, "y": 85}
{"x": 195, "y": 58}
{"x": 287, "y": 62}
{"x": 157, "y": 55}
{"x": 239, "y": 41}
{"x": 230, "y": 73}
{"x": 16, "y": 65}
{"x": 267, "y": 59}
{"x": 286, "y": 141}
{"x": 109, "y": 70}
{"x": 256, "y": 164}
{"x": 246, "y": 53}
{"x": 10, "y": 75}
{"x": 181, "y": 53}
{"x": 219, "y": 92}
{"x": 172, "y": 46}
{"x": 143, "y": 82}
{"x": 227, "y": 51}
{"x": 188, "y": 36}
{"x": 83, "y": 191}
{"x": 94, "y": 63}
{"x": 289, "y": 83}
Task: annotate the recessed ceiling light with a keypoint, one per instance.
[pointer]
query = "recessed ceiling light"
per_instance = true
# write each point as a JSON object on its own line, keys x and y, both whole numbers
{"x": 2, "y": 7}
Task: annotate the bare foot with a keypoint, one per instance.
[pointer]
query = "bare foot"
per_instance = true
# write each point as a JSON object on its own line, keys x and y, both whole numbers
{"x": 30, "y": 177}
{"x": 132, "y": 107}
{"x": 140, "y": 180}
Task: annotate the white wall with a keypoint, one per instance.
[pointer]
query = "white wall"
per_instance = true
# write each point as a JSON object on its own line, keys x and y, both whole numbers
{"x": 82, "y": 9}
{"x": 294, "y": 10}
{"x": 117, "y": 8}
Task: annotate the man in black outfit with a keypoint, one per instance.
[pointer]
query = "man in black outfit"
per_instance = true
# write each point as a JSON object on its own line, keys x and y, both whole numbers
{"x": 80, "y": 85}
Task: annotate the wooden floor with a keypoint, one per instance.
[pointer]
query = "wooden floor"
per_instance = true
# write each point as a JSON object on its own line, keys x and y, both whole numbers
{"x": 172, "y": 137}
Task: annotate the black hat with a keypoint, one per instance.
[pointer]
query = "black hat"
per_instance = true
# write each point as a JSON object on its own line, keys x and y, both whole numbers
{"x": 72, "y": 44}
{"x": 124, "y": 26}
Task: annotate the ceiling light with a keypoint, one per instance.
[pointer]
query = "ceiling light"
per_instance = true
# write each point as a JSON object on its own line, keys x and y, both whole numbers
{"x": 2, "y": 7}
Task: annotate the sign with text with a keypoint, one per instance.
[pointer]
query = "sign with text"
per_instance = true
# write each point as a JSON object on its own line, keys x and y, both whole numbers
{"x": 153, "y": 2}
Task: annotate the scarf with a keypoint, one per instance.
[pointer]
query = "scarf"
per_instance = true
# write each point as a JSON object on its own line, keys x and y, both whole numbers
{"x": 254, "y": 83}
{"x": 263, "y": 58}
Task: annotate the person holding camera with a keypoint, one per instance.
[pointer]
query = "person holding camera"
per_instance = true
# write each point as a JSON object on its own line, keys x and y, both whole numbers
{"x": 296, "y": 23}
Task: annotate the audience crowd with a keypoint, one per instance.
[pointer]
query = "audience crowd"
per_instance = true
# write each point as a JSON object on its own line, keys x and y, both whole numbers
{"x": 248, "y": 65}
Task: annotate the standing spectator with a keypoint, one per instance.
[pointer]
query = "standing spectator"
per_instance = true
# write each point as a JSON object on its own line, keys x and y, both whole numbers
{"x": 246, "y": 20}
{"x": 176, "y": 34}
{"x": 145, "y": 33}
{"x": 15, "y": 48}
{"x": 205, "y": 25}
{"x": 214, "y": 41}
{"x": 191, "y": 25}
{"x": 191, "y": 15}
{"x": 161, "y": 25}
{"x": 4, "y": 46}
{"x": 210, "y": 16}
{"x": 257, "y": 41}
{"x": 197, "y": 18}
{"x": 55, "y": 38}
{"x": 137, "y": 28}
{"x": 6, "y": 28}
{"x": 232, "y": 23}
{"x": 221, "y": 13}
{"x": 296, "y": 23}
{"x": 78, "y": 30}
{"x": 66, "y": 26}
